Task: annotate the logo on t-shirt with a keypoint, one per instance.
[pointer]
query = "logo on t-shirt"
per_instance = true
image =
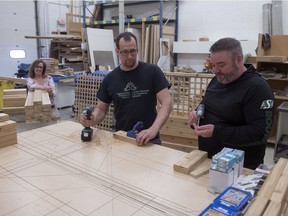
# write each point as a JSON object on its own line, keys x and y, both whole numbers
{"x": 131, "y": 91}
{"x": 267, "y": 104}
{"x": 130, "y": 86}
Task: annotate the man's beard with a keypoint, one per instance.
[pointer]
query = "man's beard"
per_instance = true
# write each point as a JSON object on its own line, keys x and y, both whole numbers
{"x": 227, "y": 78}
{"x": 129, "y": 63}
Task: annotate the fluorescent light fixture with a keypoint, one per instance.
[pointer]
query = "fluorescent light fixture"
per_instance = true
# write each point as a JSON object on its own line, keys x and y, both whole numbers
{"x": 14, "y": 54}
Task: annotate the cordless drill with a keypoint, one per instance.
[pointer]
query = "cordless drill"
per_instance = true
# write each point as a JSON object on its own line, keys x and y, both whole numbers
{"x": 87, "y": 132}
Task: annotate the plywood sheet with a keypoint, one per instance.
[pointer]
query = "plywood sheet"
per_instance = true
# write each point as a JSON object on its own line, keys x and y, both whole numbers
{"x": 58, "y": 173}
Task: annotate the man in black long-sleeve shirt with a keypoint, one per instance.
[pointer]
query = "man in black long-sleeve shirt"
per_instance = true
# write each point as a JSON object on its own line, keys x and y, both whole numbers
{"x": 238, "y": 106}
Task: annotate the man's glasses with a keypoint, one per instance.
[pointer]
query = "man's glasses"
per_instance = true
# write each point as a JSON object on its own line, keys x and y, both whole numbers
{"x": 132, "y": 52}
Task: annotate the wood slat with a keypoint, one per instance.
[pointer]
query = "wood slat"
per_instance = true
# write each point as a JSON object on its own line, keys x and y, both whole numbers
{"x": 4, "y": 117}
{"x": 14, "y": 110}
{"x": 269, "y": 185}
{"x": 190, "y": 161}
{"x": 201, "y": 169}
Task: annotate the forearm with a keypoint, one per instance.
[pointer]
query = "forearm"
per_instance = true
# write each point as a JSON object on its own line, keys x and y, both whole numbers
{"x": 162, "y": 116}
{"x": 97, "y": 116}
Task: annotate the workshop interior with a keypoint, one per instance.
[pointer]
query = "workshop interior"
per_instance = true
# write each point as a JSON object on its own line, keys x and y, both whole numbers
{"x": 51, "y": 164}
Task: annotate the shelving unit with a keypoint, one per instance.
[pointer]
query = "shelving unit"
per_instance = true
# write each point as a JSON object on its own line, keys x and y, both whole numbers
{"x": 273, "y": 62}
{"x": 112, "y": 3}
{"x": 139, "y": 24}
{"x": 194, "y": 53}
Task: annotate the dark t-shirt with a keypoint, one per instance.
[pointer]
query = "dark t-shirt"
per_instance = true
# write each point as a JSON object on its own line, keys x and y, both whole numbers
{"x": 133, "y": 94}
{"x": 242, "y": 112}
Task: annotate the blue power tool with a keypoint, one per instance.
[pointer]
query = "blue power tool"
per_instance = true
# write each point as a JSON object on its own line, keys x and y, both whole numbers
{"x": 136, "y": 129}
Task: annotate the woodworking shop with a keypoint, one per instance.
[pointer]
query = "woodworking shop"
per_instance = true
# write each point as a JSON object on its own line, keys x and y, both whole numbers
{"x": 144, "y": 108}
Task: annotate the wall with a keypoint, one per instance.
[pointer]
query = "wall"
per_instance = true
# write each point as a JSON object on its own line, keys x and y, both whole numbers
{"x": 216, "y": 19}
{"x": 17, "y": 20}
{"x": 213, "y": 19}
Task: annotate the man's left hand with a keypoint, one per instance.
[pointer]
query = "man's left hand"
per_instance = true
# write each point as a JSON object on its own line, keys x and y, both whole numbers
{"x": 145, "y": 136}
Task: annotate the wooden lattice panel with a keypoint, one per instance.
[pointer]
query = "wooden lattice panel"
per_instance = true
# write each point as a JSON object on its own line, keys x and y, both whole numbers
{"x": 85, "y": 95}
{"x": 187, "y": 90}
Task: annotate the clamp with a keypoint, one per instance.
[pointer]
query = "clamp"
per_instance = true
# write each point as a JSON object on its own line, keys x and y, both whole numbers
{"x": 135, "y": 130}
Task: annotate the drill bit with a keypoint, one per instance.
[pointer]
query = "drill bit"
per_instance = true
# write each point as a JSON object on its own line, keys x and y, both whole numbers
{"x": 200, "y": 113}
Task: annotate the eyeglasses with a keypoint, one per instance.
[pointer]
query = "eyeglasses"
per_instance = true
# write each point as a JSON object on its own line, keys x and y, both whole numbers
{"x": 39, "y": 67}
{"x": 132, "y": 52}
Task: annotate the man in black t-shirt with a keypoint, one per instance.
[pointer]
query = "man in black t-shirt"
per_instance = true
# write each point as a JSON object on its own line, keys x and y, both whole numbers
{"x": 238, "y": 106}
{"x": 134, "y": 88}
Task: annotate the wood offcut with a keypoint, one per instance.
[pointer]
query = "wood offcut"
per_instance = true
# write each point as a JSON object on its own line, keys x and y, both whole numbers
{"x": 8, "y": 131}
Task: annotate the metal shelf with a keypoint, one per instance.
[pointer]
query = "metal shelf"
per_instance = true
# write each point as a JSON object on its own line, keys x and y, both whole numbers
{"x": 132, "y": 20}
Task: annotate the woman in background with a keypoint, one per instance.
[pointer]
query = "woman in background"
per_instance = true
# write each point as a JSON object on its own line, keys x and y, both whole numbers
{"x": 38, "y": 79}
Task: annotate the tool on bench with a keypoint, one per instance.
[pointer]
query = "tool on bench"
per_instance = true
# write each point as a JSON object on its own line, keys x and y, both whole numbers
{"x": 200, "y": 112}
{"x": 87, "y": 132}
{"x": 136, "y": 129}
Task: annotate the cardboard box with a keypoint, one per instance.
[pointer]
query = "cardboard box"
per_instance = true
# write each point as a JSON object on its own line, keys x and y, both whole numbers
{"x": 219, "y": 181}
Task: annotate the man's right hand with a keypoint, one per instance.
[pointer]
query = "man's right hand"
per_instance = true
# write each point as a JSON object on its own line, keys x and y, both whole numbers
{"x": 86, "y": 122}
{"x": 192, "y": 118}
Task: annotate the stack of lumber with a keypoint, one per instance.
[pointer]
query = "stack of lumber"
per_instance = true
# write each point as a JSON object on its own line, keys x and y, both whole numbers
{"x": 14, "y": 101}
{"x": 38, "y": 107}
{"x": 8, "y": 131}
{"x": 195, "y": 164}
{"x": 178, "y": 131}
{"x": 52, "y": 64}
{"x": 272, "y": 198}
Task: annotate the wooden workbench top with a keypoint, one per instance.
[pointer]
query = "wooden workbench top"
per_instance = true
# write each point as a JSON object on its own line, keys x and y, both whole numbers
{"x": 51, "y": 171}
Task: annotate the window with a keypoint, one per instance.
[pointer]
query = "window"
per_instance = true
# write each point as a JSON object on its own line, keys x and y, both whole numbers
{"x": 14, "y": 54}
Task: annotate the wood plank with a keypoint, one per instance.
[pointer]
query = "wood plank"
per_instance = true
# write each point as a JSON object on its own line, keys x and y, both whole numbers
{"x": 258, "y": 207}
{"x": 37, "y": 99}
{"x": 201, "y": 169}
{"x": 280, "y": 191}
{"x": 4, "y": 117}
{"x": 14, "y": 102}
{"x": 190, "y": 161}
{"x": 279, "y": 59}
{"x": 7, "y": 126}
{"x": 270, "y": 183}
{"x": 29, "y": 100}
{"x": 14, "y": 92}
{"x": 15, "y": 80}
{"x": 53, "y": 36}
{"x": 273, "y": 208}
{"x": 122, "y": 135}
{"x": 14, "y": 110}
{"x": 178, "y": 146}
{"x": 179, "y": 140}
{"x": 12, "y": 135}
{"x": 8, "y": 142}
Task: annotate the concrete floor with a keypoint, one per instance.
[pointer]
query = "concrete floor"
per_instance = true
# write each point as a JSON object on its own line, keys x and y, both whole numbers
{"x": 66, "y": 114}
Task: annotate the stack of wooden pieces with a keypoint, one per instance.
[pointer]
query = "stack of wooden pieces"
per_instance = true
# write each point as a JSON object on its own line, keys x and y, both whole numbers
{"x": 272, "y": 198}
{"x": 38, "y": 107}
{"x": 194, "y": 163}
{"x": 52, "y": 64}
{"x": 8, "y": 131}
{"x": 14, "y": 101}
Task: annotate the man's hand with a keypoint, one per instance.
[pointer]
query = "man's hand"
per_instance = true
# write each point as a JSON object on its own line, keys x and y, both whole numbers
{"x": 205, "y": 131}
{"x": 86, "y": 122}
{"x": 192, "y": 118}
{"x": 145, "y": 136}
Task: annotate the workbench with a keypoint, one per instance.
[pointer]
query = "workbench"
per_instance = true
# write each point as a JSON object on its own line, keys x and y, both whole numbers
{"x": 52, "y": 172}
